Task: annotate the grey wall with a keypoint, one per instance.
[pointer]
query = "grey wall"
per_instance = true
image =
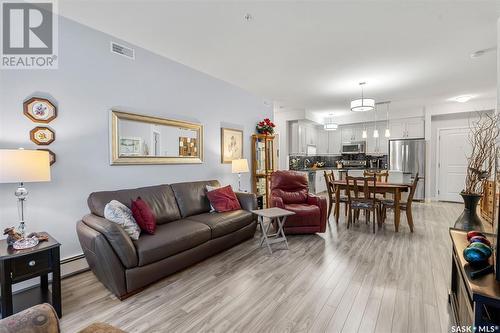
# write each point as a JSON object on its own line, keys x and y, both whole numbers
{"x": 90, "y": 80}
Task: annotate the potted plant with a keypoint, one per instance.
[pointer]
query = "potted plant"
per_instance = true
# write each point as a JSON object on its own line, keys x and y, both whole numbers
{"x": 265, "y": 127}
{"x": 482, "y": 136}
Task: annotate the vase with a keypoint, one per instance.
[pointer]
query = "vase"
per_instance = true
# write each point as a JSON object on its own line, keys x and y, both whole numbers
{"x": 469, "y": 220}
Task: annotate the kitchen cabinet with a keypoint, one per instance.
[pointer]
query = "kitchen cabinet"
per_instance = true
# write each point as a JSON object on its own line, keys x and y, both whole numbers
{"x": 376, "y": 145}
{"x": 322, "y": 141}
{"x": 410, "y": 128}
{"x": 352, "y": 133}
{"x": 335, "y": 142}
{"x": 320, "y": 185}
{"x": 301, "y": 135}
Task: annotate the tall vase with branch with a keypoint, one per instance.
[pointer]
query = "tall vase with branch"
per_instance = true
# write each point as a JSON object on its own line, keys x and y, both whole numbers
{"x": 483, "y": 136}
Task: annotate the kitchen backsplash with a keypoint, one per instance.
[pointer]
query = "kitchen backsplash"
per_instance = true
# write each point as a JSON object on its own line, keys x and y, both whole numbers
{"x": 299, "y": 162}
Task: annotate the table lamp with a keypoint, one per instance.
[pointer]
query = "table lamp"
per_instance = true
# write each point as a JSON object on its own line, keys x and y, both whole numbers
{"x": 23, "y": 166}
{"x": 239, "y": 166}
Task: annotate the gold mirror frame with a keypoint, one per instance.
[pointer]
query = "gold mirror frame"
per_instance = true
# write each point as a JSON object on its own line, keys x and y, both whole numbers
{"x": 116, "y": 159}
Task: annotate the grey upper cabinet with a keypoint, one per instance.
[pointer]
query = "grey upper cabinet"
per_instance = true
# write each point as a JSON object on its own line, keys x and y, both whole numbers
{"x": 410, "y": 128}
{"x": 322, "y": 141}
{"x": 301, "y": 134}
{"x": 335, "y": 142}
{"x": 352, "y": 133}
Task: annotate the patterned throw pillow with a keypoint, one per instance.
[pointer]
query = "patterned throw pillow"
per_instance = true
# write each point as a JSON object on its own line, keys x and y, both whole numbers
{"x": 117, "y": 212}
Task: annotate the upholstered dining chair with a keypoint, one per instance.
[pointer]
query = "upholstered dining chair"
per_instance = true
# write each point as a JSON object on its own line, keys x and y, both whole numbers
{"x": 403, "y": 205}
{"x": 366, "y": 202}
{"x": 331, "y": 189}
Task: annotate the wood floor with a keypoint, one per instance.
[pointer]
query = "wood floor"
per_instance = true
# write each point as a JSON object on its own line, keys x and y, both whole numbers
{"x": 340, "y": 281}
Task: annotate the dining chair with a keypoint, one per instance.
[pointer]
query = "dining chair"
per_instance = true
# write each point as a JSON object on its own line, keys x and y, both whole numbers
{"x": 366, "y": 202}
{"x": 403, "y": 205}
{"x": 382, "y": 177}
{"x": 331, "y": 189}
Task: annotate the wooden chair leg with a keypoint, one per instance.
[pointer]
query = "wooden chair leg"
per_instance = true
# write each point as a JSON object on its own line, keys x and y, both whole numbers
{"x": 374, "y": 220}
{"x": 346, "y": 209}
{"x": 349, "y": 217}
{"x": 367, "y": 216}
{"x": 409, "y": 217}
{"x": 330, "y": 208}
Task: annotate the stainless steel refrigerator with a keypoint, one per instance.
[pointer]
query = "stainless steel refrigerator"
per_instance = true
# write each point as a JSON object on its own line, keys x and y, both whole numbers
{"x": 408, "y": 156}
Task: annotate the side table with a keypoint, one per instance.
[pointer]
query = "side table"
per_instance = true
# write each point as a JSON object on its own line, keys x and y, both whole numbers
{"x": 20, "y": 265}
{"x": 273, "y": 214}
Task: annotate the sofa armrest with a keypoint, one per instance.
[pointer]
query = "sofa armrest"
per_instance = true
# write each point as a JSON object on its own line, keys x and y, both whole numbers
{"x": 248, "y": 201}
{"x": 321, "y": 203}
{"x": 117, "y": 238}
{"x": 277, "y": 202}
{"x": 41, "y": 318}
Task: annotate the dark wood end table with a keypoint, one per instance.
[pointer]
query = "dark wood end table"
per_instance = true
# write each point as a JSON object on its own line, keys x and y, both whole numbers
{"x": 20, "y": 265}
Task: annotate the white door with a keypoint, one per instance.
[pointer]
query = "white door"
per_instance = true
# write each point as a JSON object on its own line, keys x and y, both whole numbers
{"x": 452, "y": 163}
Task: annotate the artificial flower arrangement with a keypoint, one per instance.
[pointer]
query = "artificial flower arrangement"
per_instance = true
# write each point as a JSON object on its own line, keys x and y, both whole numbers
{"x": 265, "y": 127}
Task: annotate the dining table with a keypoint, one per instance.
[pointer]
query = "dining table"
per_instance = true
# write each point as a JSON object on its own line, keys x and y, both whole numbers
{"x": 380, "y": 188}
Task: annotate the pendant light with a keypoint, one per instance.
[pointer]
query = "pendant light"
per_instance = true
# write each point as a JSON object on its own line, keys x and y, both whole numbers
{"x": 362, "y": 104}
{"x": 387, "y": 133}
{"x": 375, "y": 131}
{"x": 330, "y": 124}
{"x": 364, "y": 135}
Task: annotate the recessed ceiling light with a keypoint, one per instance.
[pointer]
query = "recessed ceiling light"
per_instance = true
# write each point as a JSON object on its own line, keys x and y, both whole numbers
{"x": 462, "y": 98}
{"x": 248, "y": 17}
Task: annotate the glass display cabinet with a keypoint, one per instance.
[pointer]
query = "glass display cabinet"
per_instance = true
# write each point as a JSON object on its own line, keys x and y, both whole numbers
{"x": 264, "y": 162}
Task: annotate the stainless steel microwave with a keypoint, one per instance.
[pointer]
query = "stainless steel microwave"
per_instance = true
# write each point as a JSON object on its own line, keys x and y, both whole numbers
{"x": 354, "y": 147}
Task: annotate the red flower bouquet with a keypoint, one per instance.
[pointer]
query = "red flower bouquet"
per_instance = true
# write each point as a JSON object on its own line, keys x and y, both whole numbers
{"x": 265, "y": 127}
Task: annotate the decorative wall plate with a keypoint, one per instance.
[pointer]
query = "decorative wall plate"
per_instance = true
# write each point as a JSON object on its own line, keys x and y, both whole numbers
{"x": 40, "y": 110}
{"x": 42, "y": 135}
{"x": 52, "y": 155}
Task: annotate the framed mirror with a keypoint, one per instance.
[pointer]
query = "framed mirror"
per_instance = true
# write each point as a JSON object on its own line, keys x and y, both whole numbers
{"x": 139, "y": 139}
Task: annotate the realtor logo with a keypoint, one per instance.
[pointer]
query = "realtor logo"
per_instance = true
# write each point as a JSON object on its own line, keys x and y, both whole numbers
{"x": 29, "y": 35}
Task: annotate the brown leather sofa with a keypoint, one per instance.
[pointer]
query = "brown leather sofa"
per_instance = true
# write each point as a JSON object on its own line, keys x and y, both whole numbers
{"x": 186, "y": 233}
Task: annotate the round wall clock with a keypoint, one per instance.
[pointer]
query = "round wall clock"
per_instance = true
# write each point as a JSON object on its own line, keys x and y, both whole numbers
{"x": 42, "y": 135}
{"x": 52, "y": 155}
{"x": 39, "y": 110}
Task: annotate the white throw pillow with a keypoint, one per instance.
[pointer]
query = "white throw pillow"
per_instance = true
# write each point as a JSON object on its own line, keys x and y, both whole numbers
{"x": 211, "y": 188}
{"x": 120, "y": 214}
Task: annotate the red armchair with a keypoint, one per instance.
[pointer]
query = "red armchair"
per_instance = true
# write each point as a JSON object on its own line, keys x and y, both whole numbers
{"x": 289, "y": 191}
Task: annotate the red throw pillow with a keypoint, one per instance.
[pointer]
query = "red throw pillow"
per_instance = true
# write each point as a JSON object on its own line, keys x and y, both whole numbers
{"x": 223, "y": 199}
{"x": 144, "y": 216}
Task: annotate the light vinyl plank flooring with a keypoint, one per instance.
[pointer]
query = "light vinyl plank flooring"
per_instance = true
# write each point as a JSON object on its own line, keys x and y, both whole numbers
{"x": 345, "y": 280}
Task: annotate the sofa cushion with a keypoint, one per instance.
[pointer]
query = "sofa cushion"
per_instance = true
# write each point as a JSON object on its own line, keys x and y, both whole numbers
{"x": 224, "y": 223}
{"x": 192, "y": 197}
{"x": 144, "y": 216}
{"x": 120, "y": 214}
{"x": 304, "y": 215}
{"x": 170, "y": 239}
{"x": 160, "y": 198}
{"x": 223, "y": 199}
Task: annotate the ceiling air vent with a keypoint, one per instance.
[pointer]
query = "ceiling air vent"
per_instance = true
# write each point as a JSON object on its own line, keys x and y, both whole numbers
{"x": 122, "y": 50}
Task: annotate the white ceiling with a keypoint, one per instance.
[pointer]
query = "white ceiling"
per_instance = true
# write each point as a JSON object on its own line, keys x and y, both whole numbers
{"x": 312, "y": 54}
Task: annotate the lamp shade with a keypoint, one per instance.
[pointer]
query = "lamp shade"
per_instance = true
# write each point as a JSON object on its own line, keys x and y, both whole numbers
{"x": 239, "y": 166}
{"x": 362, "y": 104}
{"x": 24, "y": 166}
